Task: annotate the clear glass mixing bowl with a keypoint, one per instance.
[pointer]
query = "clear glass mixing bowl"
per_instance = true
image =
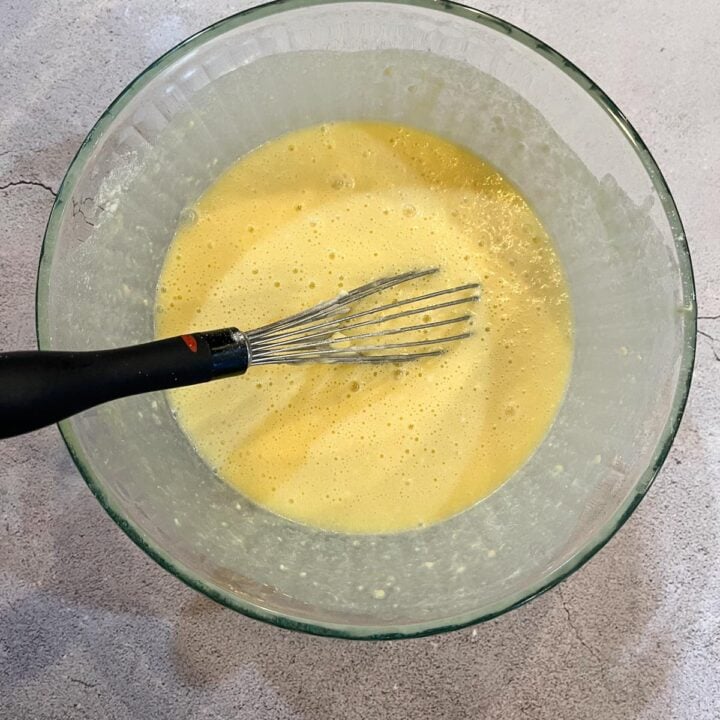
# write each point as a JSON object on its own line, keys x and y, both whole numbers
{"x": 484, "y": 84}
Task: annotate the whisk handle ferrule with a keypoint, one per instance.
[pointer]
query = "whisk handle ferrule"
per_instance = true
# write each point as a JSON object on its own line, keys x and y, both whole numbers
{"x": 229, "y": 351}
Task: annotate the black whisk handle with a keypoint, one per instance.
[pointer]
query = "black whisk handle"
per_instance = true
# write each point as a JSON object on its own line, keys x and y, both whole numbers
{"x": 39, "y": 388}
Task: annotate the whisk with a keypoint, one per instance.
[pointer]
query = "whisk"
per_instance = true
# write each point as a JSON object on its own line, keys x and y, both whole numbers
{"x": 40, "y": 388}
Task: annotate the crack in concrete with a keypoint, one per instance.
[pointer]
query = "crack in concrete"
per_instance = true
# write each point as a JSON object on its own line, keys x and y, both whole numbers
{"x": 77, "y": 209}
{"x": 28, "y": 183}
{"x": 709, "y": 317}
{"x": 595, "y": 654}
{"x": 712, "y": 340}
{"x": 82, "y": 682}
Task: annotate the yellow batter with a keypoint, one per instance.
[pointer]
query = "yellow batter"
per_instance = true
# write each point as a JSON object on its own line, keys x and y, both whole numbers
{"x": 369, "y": 448}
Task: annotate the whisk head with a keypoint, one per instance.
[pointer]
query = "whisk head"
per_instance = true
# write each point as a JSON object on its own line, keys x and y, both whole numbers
{"x": 341, "y": 331}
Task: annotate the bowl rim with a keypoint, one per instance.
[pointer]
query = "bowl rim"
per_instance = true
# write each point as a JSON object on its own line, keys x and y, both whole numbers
{"x": 602, "y": 536}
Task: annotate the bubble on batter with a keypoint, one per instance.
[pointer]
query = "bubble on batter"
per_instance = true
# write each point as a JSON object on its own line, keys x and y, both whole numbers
{"x": 188, "y": 217}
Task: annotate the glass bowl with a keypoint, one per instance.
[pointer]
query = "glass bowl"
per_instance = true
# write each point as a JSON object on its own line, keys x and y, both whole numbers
{"x": 473, "y": 79}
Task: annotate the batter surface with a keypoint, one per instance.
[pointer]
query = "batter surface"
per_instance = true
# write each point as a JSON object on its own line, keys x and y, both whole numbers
{"x": 369, "y": 448}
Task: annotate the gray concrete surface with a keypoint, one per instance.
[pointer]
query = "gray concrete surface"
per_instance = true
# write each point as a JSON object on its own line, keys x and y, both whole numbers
{"x": 91, "y": 628}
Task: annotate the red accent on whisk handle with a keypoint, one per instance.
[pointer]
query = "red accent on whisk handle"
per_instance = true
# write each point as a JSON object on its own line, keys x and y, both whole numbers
{"x": 40, "y": 388}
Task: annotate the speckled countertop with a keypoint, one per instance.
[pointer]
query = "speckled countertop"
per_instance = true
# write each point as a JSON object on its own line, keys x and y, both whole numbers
{"x": 91, "y": 628}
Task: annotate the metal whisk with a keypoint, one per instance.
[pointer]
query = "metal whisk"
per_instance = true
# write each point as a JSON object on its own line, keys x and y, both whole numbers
{"x": 40, "y": 388}
{"x": 320, "y": 334}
